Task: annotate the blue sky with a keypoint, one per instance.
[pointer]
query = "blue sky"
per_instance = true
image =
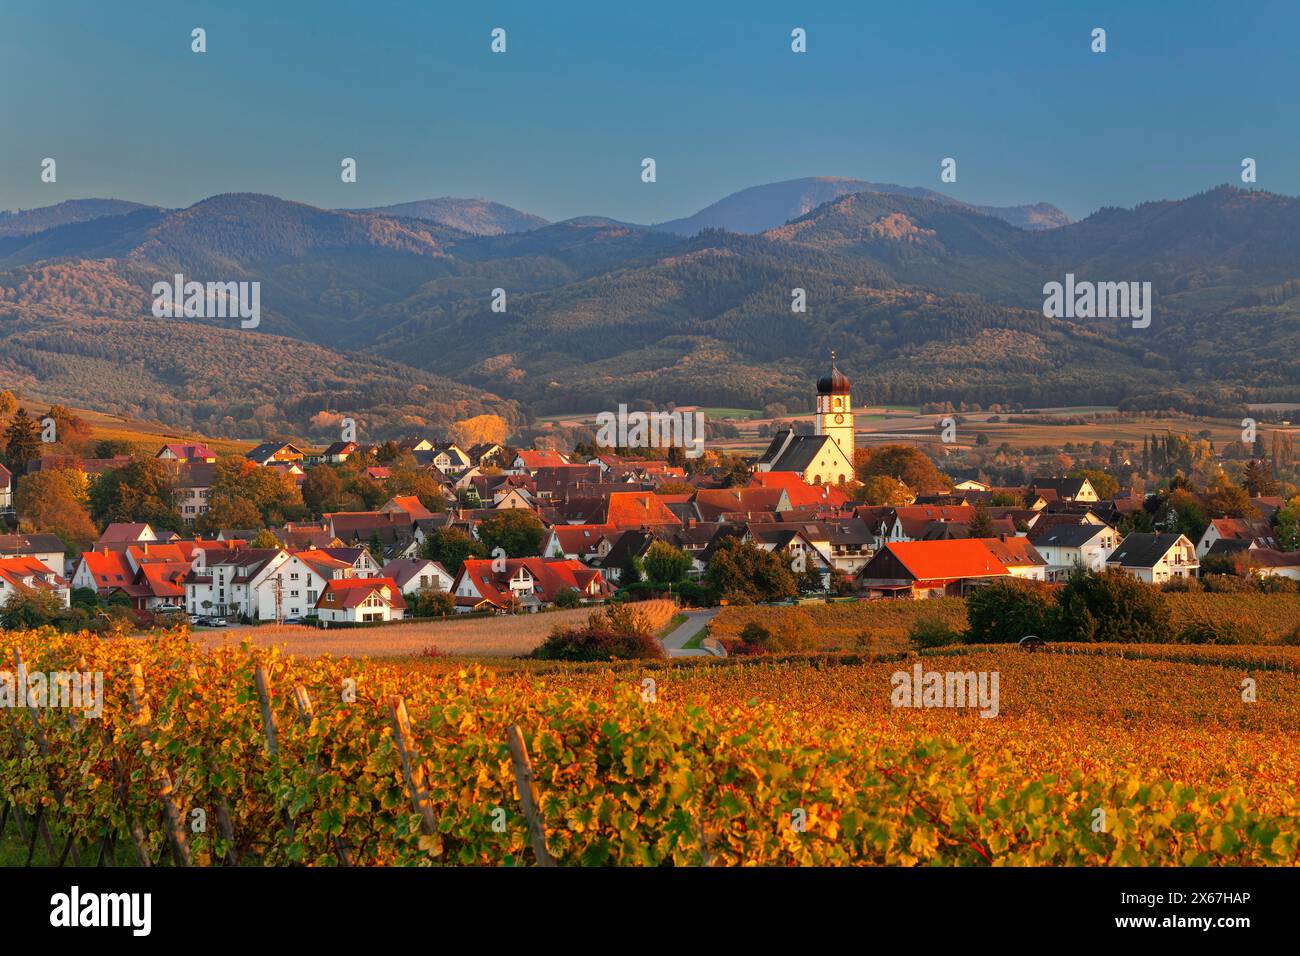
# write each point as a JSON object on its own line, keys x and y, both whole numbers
{"x": 559, "y": 124}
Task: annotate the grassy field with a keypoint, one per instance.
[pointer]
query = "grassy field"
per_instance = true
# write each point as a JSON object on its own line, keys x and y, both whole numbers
{"x": 882, "y": 626}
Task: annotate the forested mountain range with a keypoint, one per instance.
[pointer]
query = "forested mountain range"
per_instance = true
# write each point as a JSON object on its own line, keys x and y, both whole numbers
{"x": 923, "y": 298}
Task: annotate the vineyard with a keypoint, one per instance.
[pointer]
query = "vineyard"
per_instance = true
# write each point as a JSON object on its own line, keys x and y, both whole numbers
{"x": 884, "y": 625}
{"x": 287, "y": 761}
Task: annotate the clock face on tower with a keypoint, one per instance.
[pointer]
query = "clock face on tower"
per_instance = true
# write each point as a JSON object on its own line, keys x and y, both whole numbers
{"x": 839, "y": 419}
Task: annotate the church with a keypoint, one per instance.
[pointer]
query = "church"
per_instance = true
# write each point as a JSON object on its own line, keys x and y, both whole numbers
{"x": 826, "y": 456}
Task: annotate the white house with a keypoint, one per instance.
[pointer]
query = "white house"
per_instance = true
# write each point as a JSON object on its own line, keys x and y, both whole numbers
{"x": 1155, "y": 558}
{"x": 27, "y": 574}
{"x": 1068, "y": 546}
{"x": 421, "y": 574}
{"x": 360, "y": 601}
{"x": 1250, "y": 534}
{"x": 46, "y": 548}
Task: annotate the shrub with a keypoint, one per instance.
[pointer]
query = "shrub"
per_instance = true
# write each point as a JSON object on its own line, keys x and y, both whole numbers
{"x": 1209, "y": 631}
{"x": 1227, "y": 584}
{"x": 620, "y": 631}
{"x": 792, "y": 633}
{"x": 1111, "y": 607}
{"x": 568, "y": 597}
{"x": 933, "y": 632}
{"x": 1292, "y": 639}
{"x": 1006, "y": 611}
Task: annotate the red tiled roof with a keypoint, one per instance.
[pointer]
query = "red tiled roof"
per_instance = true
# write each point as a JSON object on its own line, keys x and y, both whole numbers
{"x": 947, "y": 560}
{"x": 352, "y": 592}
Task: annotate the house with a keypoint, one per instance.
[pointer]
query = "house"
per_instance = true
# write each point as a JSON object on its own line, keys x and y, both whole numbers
{"x": 579, "y": 542}
{"x": 406, "y": 504}
{"x": 6, "y": 490}
{"x": 970, "y": 484}
{"x": 717, "y": 504}
{"x": 197, "y": 451}
{"x": 485, "y": 454}
{"x": 1018, "y": 556}
{"x": 923, "y": 569}
{"x": 155, "y": 585}
{"x": 797, "y": 491}
{"x": 268, "y": 452}
{"x": 448, "y": 457}
{"x": 1268, "y": 562}
{"x": 1064, "y": 489}
{"x": 225, "y": 583}
{"x": 794, "y": 544}
{"x": 102, "y": 570}
{"x": 530, "y": 583}
{"x": 192, "y": 485}
{"x": 119, "y": 534}
{"x": 45, "y": 548}
{"x": 26, "y": 574}
{"x": 361, "y": 601}
{"x": 1155, "y": 558}
{"x": 1254, "y": 534}
{"x": 1066, "y": 547}
{"x": 361, "y": 561}
{"x": 415, "y": 575}
{"x": 637, "y": 509}
{"x": 338, "y": 452}
{"x": 529, "y": 461}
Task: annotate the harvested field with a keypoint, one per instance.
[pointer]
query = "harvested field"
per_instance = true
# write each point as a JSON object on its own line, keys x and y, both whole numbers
{"x": 505, "y": 635}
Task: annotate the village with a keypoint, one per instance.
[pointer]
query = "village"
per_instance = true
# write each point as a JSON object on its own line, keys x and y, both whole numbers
{"x": 490, "y": 529}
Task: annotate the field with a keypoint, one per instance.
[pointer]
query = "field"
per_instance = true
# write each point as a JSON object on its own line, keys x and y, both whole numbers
{"x": 148, "y": 435}
{"x": 882, "y": 626}
{"x": 499, "y": 636}
{"x": 1096, "y": 758}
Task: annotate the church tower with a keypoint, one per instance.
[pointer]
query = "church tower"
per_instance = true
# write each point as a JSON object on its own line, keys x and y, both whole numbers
{"x": 835, "y": 409}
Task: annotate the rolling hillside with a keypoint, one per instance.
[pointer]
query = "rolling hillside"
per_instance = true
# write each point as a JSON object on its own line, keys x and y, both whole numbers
{"x": 923, "y": 298}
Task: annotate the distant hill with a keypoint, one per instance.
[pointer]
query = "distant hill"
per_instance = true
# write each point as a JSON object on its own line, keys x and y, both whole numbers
{"x": 760, "y": 208}
{"x": 24, "y": 222}
{"x": 924, "y": 299}
{"x": 479, "y": 217}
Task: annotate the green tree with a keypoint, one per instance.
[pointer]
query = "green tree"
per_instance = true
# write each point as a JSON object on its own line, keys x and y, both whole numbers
{"x": 22, "y": 442}
{"x": 322, "y": 490}
{"x": 28, "y": 609}
{"x": 139, "y": 491}
{"x": 742, "y": 573}
{"x": 516, "y": 531}
{"x": 1111, "y": 607}
{"x": 981, "y": 526}
{"x": 450, "y": 547}
{"x": 666, "y": 564}
{"x": 1005, "y": 611}
{"x": 265, "y": 539}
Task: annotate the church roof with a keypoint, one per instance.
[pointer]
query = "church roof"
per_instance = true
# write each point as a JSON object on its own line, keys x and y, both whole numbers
{"x": 836, "y": 383}
{"x": 798, "y": 455}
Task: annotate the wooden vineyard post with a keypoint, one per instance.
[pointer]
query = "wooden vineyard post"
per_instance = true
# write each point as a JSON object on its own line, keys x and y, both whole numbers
{"x": 162, "y": 780}
{"x": 412, "y": 765}
{"x": 303, "y": 700}
{"x": 527, "y": 786}
{"x": 224, "y": 823}
{"x": 268, "y": 716}
{"x": 43, "y": 745}
{"x": 272, "y": 735}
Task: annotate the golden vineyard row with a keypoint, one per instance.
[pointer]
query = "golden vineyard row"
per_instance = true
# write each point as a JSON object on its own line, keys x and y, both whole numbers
{"x": 812, "y": 767}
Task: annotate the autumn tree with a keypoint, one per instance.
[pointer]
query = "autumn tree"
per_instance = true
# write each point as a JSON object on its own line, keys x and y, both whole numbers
{"x": 883, "y": 490}
{"x": 904, "y": 463}
{"x": 322, "y": 490}
{"x": 141, "y": 490}
{"x": 516, "y": 531}
{"x": 246, "y": 495}
{"x": 56, "y": 501}
{"x": 480, "y": 430}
